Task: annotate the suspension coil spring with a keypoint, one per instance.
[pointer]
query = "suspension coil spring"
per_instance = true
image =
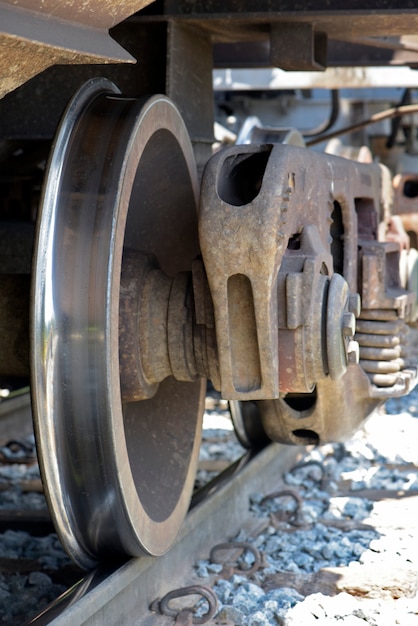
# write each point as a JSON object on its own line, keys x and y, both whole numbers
{"x": 381, "y": 335}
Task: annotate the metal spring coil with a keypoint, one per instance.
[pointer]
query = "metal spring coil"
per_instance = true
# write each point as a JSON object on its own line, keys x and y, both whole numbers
{"x": 381, "y": 336}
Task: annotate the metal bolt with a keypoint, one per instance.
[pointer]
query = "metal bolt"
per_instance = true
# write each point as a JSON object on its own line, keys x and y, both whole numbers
{"x": 354, "y": 304}
{"x": 349, "y": 324}
{"x": 353, "y": 353}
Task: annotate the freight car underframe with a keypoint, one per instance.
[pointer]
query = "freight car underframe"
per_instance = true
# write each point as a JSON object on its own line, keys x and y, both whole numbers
{"x": 270, "y": 274}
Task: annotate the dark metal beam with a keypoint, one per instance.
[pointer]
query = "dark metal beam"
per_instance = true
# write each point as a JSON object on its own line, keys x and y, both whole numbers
{"x": 256, "y": 54}
{"x": 246, "y": 20}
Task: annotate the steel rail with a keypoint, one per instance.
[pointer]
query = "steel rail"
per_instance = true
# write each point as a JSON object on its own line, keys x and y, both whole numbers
{"x": 123, "y": 594}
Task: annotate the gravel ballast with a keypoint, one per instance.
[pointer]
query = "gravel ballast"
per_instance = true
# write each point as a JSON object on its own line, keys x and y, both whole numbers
{"x": 338, "y": 553}
{"x": 344, "y": 558}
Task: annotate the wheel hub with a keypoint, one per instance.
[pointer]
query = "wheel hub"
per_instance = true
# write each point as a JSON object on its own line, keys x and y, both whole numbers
{"x": 162, "y": 332}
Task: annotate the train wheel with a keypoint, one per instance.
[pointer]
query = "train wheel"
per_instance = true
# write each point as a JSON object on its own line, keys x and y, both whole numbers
{"x": 118, "y": 474}
{"x": 247, "y": 423}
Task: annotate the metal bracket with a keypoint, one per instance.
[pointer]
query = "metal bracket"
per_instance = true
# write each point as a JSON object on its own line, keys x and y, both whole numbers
{"x": 297, "y": 47}
{"x": 255, "y": 203}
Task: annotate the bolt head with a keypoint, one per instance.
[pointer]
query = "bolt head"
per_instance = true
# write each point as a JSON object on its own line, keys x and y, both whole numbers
{"x": 354, "y": 304}
{"x": 353, "y": 353}
{"x": 349, "y": 324}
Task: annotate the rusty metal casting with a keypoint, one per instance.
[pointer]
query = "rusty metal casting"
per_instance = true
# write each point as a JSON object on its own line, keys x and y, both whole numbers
{"x": 289, "y": 238}
{"x": 319, "y": 320}
{"x": 292, "y": 287}
{"x": 329, "y": 413}
{"x": 265, "y": 232}
{"x": 166, "y": 327}
{"x": 270, "y": 312}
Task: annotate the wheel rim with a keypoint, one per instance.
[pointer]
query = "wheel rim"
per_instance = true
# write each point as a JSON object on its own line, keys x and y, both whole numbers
{"x": 118, "y": 477}
{"x": 247, "y": 423}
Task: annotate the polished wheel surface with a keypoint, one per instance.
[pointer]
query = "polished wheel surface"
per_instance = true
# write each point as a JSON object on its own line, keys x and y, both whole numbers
{"x": 248, "y": 426}
{"x": 118, "y": 475}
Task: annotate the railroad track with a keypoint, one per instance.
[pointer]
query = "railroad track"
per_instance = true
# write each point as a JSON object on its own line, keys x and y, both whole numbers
{"x": 216, "y": 514}
{"x": 135, "y": 584}
{"x": 302, "y": 494}
{"x": 332, "y": 488}
{"x": 366, "y": 518}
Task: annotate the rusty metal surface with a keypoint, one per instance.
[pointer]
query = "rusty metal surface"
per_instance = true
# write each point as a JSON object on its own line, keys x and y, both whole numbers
{"x": 166, "y": 327}
{"x": 328, "y": 414}
{"x": 101, "y": 14}
{"x": 288, "y": 238}
{"x": 29, "y": 58}
{"x": 259, "y": 205}
{"x": 138, "y": 381}
{"x": 23, "y": 114}
{"x": 318, "y": 318}
{"x": 35, "y": 35}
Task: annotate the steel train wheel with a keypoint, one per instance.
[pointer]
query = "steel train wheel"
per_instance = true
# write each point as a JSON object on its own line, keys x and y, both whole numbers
{"x": 118, "y": 476}
{"x": 247, "y": 423}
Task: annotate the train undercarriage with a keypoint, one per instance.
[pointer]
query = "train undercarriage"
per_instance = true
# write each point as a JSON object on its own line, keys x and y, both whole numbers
{"x": 141, "y": 257}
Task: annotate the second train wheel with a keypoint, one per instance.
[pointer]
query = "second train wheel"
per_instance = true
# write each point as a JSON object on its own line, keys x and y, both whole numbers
{"x": 118, "y": 475}
{"x": 247, "y": 423}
